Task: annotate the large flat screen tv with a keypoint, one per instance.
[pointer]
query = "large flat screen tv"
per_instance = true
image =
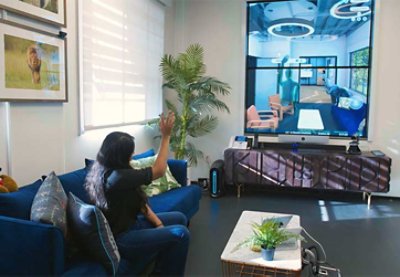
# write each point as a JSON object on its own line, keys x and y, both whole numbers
{"x": 308, "y": 67}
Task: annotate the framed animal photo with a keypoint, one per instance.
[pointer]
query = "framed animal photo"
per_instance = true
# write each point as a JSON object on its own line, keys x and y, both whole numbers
{"x": 32, "y": 65}
{"x": 50, "y": 11}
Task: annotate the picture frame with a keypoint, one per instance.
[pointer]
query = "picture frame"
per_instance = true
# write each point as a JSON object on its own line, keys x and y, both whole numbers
{"x": 32, "y": 64}
{"x": 50, "y": 11}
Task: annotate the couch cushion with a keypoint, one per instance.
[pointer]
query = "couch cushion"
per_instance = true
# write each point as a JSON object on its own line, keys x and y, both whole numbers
{"x": 252, "y": 113}
{"x": 85, "y": 268}
{"x": 73, "y": 182}
{"x": 184, "y": 199}
{"x": 146, "y": 154}
{"x": 91, "y": 231}
{"x": 160, "y": 185}
{"x": 18, "y": 204}
{"x": 50, "y": 203}
{"x": 349, "y": 119}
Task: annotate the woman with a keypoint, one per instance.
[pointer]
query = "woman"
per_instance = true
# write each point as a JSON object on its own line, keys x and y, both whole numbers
{"x": 115, "y": 188}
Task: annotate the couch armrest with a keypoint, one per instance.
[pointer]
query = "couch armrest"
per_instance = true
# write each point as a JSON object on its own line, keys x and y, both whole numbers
{"x": 30, "y": 248}
{"x": 179, "y": 170}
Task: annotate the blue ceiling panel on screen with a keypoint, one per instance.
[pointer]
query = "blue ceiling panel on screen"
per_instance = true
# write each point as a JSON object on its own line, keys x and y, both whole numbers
{"x": 327, "y": 17}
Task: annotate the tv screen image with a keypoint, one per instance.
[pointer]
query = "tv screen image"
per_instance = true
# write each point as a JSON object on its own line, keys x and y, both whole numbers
{"x": 308, "y": 67}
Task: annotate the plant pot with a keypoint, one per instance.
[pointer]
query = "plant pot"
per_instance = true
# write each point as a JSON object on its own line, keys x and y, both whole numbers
{"x": 268, "y": 253}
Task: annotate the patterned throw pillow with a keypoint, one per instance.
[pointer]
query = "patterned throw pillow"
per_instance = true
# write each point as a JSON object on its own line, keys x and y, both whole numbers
{"x": 50, "y": 203}
{"x": 160, "y": 185}
{"x": 90, "y": 229}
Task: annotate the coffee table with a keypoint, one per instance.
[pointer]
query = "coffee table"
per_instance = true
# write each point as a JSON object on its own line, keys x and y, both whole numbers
{"x": 310, "y": 119}
{"x": 245, "y": 262}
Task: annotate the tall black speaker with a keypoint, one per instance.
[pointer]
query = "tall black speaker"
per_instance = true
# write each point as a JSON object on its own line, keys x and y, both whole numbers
{"x": 217, "y": 179}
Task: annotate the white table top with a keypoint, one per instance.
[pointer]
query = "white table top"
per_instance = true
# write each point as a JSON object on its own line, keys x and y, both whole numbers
{"x": 285, "y": 259}
{"x": 310, "y": 119}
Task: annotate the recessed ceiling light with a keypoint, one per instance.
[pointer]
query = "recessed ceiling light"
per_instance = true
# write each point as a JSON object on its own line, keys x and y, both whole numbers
{"x": 275, "y": 28}
{"x": 339, "y": 11}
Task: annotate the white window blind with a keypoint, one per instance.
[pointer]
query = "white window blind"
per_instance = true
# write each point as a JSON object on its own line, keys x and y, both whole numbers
{"x": 121, "y": 45}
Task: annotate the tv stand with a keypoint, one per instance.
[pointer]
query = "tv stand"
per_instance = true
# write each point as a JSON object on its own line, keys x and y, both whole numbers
{"x": 307, "y": 169}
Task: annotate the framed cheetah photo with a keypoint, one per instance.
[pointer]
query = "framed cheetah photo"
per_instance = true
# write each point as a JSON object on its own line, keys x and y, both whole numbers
{"x": 50, "y": 11}
{"x": 32, "y": 65}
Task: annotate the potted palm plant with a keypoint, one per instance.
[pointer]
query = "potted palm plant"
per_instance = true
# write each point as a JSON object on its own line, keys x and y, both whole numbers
{"x": 266, "y": 236}
{"x": 197, "y": 94}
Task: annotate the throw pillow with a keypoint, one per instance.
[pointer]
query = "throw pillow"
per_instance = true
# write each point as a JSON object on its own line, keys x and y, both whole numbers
{"x": 160, "y": 185}
{"x": 88, "y": 163}
{"x": 344, "y": 103}
{"x": 90, "y": 229}
{"x": 50, "y": 203}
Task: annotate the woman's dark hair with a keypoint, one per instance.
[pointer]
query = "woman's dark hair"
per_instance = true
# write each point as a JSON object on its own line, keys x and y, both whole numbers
{"x": 115, "y": 153}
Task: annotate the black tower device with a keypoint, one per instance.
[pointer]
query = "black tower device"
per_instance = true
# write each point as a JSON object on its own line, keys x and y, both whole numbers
{"x": 217, "y": 179}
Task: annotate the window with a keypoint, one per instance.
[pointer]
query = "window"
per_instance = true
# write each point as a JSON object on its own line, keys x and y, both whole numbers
{"x": 121, "y": 45}
{"x": 359, "y": 76}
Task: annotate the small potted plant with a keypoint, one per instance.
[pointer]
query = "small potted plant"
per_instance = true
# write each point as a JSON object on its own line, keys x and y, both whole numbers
{"x": 266, "y": 237}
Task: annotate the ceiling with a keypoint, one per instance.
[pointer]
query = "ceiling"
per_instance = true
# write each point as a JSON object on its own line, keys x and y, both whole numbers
{"x": 317, "y": 12}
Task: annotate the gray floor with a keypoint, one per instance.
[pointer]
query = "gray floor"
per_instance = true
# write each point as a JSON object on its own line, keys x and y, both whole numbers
{"x": 359, "y": 241}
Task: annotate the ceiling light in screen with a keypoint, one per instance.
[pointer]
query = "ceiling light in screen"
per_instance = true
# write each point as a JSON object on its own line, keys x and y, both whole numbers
{"x": 351, "y": 9}
{"x": 291, "y": 28}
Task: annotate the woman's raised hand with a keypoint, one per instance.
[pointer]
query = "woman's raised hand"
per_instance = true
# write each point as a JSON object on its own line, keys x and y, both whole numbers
{"x": 167, "y": 123}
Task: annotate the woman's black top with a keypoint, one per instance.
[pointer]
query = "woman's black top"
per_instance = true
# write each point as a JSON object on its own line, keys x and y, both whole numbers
{"x": 122, "y": 188}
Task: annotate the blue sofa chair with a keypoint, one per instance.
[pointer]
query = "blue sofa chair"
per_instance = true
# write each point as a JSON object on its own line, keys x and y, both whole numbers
{"x": 349, "y": 119}
{"x": 31, "y": 248}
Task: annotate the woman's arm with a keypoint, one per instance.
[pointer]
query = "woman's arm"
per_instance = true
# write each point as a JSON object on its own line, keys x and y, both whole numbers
{"x": 152, "y": 217}
{"x": 160, "y": 165}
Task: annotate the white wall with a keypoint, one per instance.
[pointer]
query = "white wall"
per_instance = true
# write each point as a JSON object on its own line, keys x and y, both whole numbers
{"x": 219, "y": 25}
{"x": 325, "y": 48}
{"x": 3, "y": 138}
{"x": 358, "y": 39}
{"x": 385, "y": 89}
{"x": 268, "y": 49}
{"x": 45, "y": 136}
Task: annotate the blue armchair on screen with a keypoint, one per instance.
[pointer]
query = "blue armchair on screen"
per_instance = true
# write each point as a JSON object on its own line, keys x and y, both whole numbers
{"x": 31, "y": 248}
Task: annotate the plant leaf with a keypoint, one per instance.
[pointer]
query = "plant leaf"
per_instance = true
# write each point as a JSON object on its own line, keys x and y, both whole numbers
{"x": 193, "y": 154}
{"x": 201, "y": 126}
{"x": 207, "y": 103}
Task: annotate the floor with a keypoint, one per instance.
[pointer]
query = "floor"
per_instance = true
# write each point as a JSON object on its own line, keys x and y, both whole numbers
{"x": 357, "y": 240}
{"x": 314, "y": 94}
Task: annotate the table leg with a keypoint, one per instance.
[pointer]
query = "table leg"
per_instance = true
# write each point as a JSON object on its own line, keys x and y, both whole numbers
{"x": 239, "y": 186}
{"x": 369, "y": 195}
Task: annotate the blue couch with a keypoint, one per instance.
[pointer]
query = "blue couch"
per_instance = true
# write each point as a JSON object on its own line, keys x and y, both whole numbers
{"x": 30, "y": 248}
{"x": 349, "y": 119}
